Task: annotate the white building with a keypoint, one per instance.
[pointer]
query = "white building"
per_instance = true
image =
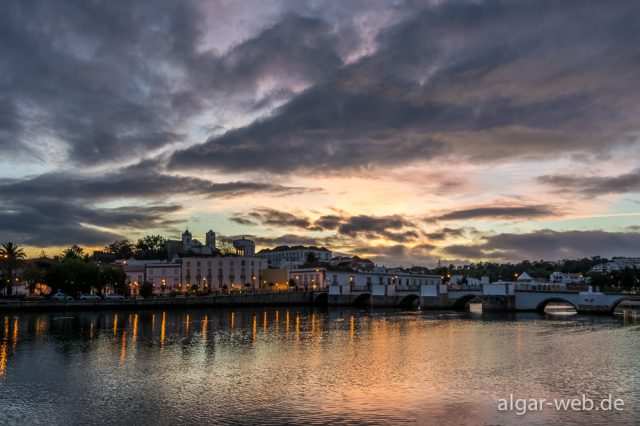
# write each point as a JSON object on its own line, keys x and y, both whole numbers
{"x": 617, "y": 264}
{"x": 388, "y": 277}
{"x": 294, "y": 256}
{"x": 565, "y": 278}
{"x": 164, "y": 276}
{"x": 135, "y": 269}
{"x": 214, "y": 273}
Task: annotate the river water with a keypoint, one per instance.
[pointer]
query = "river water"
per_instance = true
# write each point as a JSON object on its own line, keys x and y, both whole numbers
{"x": 296, "y": 365}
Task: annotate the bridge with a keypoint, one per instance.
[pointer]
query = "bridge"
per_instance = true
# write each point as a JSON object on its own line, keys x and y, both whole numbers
{"x": 494, "y": 297}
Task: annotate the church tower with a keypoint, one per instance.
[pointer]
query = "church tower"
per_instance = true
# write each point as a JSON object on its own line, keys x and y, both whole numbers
{"x": 187, "y": 242}
{"x": 210, "y": 239}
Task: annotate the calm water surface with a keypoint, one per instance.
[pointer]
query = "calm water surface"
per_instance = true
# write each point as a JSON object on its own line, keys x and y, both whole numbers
{"x": 303, "y": 366}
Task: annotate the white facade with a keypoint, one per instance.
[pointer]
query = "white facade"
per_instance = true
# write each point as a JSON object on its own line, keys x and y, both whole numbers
{"x": 135, "y": 269}
{"x": 310, "y": 278}
{"x": 164, "y": 276}
{"x": 564, "y": 278}
{"x": 216, "y": 272}
{"x": 618, "y": 264}
{"x": 294, "y": 257}
{"x": 369, "y": 278}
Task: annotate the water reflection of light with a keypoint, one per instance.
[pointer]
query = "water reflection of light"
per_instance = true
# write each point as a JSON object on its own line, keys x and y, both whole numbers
{"x": 91, "y": 329}
{"x": 313, "y": 323}
{"x": 123, "y": 348}
{"x": 287, "y": 322}
{"x": 163, "y": 325}
{"x": 205, "y": 325}
{"x": 233, "y": 322}
{"x": 255, "y": 328}
{"x": 3, "y": 358}
{"x": 115, "y": 324}
{"x": 153, "y": 324}
{"x": 264, "y": 322}
{"x": 352, "y": 326}
{"x": 277, "y": 320}
{"x": 297, "y": 326}
{"x": 14, "y": 340}
{"x": 187, "y": 325}
{"x": 135, "y": 327}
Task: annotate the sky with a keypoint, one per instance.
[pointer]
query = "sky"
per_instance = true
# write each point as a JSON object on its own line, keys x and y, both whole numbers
{"x": 404, "y": 131}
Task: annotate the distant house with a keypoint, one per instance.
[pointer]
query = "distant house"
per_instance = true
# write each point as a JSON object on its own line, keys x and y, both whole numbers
{"x": 294, "y": 256}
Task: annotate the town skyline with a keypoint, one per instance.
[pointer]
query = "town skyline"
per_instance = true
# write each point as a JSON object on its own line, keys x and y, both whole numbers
{"x": 376, "y": 129}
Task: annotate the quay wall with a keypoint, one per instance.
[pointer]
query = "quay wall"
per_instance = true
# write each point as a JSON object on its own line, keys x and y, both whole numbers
{"x": 249, "y": 299}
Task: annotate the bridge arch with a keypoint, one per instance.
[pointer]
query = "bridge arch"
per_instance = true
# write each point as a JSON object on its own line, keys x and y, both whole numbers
{"x": 615, "y": 304}
{"x": 409, "y": 301}
{"x": 321, "y": 298}
{"x": 363, "y": 299}
{"x": 460, "y": 304}
{"x": 542, "y": 305}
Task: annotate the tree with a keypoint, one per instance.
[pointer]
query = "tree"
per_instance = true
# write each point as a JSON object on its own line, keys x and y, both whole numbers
{"x": 73, "y": 275}
{"x": 33, "y": 275}
{"x": 121, "y": 249}
{"x": 74, "y": 252}
{"x": 114, "y": 278}
{"x": 146, "y": 290}
{"x": 151, "y": 247}
{"x": 11, "y": 255}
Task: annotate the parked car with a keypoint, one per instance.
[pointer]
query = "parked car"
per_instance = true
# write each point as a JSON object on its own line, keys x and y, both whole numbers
{"x": 113, "y": 296}
{"x": 87, "y": 296}
{"x": 61, "y": 297}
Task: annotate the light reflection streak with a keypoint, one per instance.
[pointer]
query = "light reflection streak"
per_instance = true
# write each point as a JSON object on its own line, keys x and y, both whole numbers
{"x": 163, "y": 325}
{"x": 352, "y": 327}
{"x": 115, "y": 324}
{"x": 187, "y": 325}
{"x": 123, "y": 348}
{"x": 135, "y": 328}
{"x": 297, "y": 326}
{"x": 264, "y": 322}
{"x": 205, "y": 325}
{"x": 4, "y": 347}
{"x": 277, "y": 320}
{"x": 14, "y": 340}
{"x": 287, "y": 322}
{"x": 255, "y": 328}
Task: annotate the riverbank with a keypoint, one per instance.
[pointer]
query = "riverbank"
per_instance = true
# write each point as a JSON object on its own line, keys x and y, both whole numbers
{"x": 245, "y": 299}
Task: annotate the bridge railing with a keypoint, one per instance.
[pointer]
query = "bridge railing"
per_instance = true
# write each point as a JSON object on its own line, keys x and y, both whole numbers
{"x": 407, "y": 288}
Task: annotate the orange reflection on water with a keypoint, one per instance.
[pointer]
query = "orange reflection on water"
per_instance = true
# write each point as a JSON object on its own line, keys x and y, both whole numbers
{"x": 277, "y": 320}
{"x": 115, "y": 324}
{"x": 264, "y": 322}
{"x": 91, "y": 329}
{"x": 14, "y": 340}
{"x": 187, "y": 325}
{"x": 135, "y": 327}
{"x": 297, "y": 326}
{"x": 123, "y": 348}
{"x": 255, "y": 328}
{"x": 4, "y": 347}
{"x": 287, "y": 322}
{"x": 163, "y": 326}
{"x": 205, "y": 325}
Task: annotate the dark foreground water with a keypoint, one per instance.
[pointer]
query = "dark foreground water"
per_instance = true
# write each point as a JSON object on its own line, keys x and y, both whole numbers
{"x": 302, "y": 366}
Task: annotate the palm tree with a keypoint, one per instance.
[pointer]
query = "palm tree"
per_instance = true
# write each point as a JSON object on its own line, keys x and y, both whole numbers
{"x": 11, "y": 254}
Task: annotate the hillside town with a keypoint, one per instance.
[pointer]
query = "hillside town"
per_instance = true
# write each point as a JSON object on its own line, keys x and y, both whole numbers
{"x": 155, "y": 266}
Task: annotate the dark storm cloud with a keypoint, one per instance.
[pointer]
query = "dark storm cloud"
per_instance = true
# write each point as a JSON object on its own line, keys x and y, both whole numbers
{"x": 49, "y": 222}
{"x": 391, "y": 227}
{"x": 110, "y": 81}
{"x": 594, "y": 185}
{"x": 272, "y": 217}
{"x": 445, "y": 233}
{"x": 550, "y": 245}
{"x": 140, "y": 180}
{"x": 484, "y": 80}
{"x": 516, "y": 212}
